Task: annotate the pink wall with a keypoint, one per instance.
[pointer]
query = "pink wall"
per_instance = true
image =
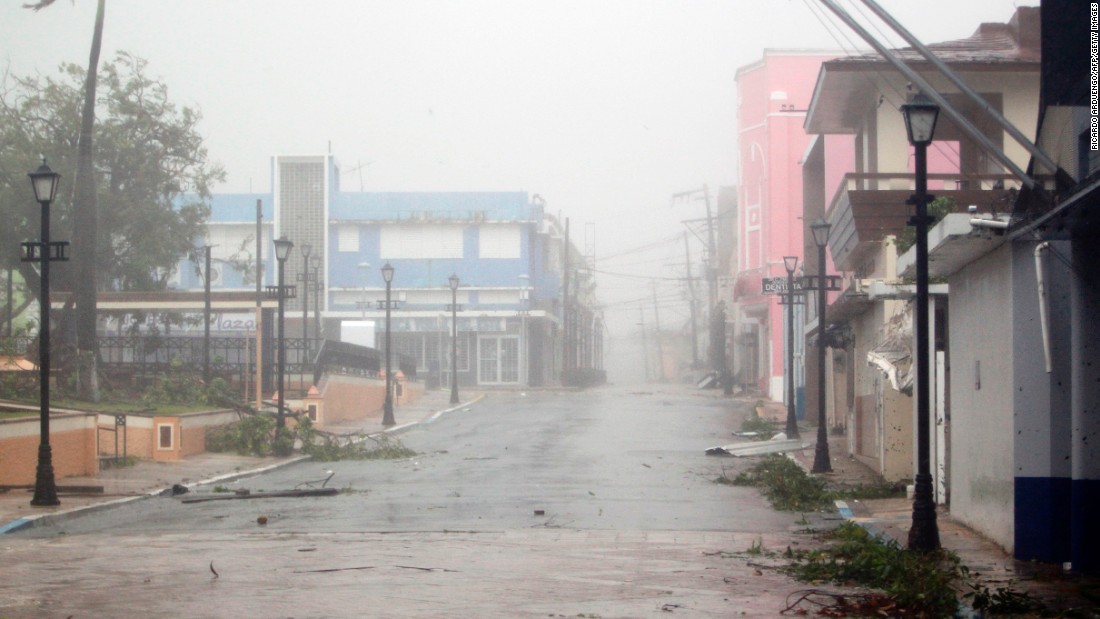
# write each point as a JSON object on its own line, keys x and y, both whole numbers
{"x": 773, "y": 96}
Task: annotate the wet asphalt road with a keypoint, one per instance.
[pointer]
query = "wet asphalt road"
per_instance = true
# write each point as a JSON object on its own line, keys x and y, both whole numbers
{"x": 514, "y": 491}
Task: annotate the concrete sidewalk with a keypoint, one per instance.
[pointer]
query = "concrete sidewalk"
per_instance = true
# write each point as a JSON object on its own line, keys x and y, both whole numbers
{"x": 146, "y": 478}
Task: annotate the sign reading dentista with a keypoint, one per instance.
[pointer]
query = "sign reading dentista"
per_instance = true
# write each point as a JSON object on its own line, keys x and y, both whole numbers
{"x": 778, "y": 285}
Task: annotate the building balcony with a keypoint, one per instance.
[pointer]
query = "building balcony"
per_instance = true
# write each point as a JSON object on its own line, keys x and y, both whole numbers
{"x": 954, "y": 243}
{"x": 867, "y": 208}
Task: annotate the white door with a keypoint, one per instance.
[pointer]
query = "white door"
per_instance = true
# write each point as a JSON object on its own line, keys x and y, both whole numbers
{"x": 497, "y": 359}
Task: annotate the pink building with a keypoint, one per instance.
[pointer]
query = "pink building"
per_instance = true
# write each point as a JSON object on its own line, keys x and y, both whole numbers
{"x": 773, "y": 95}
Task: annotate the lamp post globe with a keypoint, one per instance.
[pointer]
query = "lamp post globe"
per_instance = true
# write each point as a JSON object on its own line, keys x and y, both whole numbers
{"x": 822, "y": 464}
{"x": 387, "y": 404}
{"x": 453, "y": 282}
{"x": 44, "y": 181}
{"x": 920, "y": 126}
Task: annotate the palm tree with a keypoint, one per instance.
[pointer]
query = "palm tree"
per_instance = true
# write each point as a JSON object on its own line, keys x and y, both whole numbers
{"x": 85, "y": 218}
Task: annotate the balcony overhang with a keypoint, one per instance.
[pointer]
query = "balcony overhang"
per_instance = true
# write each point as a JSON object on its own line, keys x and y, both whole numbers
{"x": 867, "y": 208}
{"x": 953, "y": 243}
{"x": 851, "y": 303}
{"x": 863, "y": 294}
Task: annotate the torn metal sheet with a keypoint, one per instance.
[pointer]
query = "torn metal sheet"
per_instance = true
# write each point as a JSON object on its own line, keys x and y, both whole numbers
{"x": 757, "y": 449}
{"x": 893, "y": 356}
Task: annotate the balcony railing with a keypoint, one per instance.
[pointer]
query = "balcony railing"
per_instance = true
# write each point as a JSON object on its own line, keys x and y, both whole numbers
{"x": 867, "y": 208}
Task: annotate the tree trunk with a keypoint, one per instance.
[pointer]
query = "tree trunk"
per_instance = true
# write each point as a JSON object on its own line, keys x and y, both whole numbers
{"x": 85, "y": 235}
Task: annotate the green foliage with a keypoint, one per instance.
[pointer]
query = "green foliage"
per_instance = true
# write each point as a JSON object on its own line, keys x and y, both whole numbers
{"x": 283, "y": 445}
{"x": 256, "y": 435}
{"x": 786, "y": 485}
{"x": 765, "y": 428}
{"x": 789, "y": 488}
{"x": 327, "y": 448}
{"x": 937, "y": 210}
{"x": 152, "y": 172}
{"x": 251, "y": 436}
{"x": 1000, "y": 601}
{"x": 924, "y": 585}
{"x": 916, "y": 584}
{"x": 178, "y": 386}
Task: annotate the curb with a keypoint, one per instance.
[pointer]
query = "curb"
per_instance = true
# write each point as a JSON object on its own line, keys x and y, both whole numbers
{"x": 35, "y": 520}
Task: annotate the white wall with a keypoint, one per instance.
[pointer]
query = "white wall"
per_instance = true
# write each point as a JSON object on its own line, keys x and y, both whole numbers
{"x": 982, "y": 421}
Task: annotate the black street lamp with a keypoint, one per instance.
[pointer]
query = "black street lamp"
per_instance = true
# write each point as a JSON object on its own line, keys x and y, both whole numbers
{"x": 820, "y": 230}
{"x": 306, "y": 250}
{"x": 44, "y": 181}
{"x": 387, "y": 405}
{"x": 453, "y": 281}
{"x": 790, "y": 263}
{"x": 282, "y": 252}
{"x": 920, "y": 125}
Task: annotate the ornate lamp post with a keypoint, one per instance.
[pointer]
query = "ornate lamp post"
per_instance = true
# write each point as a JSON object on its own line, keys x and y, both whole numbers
{"x": 920, "y": 125}
{"x": 387, "y": 405}
{"x": 306, "y": 250}
{"x": 820, "y": 230}
{"x": 453, "y": 281}
{"x": 44, "y": 181}
{"x": 282, "y": 252}
{"x": 790, "y": 263}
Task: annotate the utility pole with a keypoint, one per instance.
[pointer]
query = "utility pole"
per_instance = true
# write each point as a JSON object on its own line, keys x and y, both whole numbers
{"x": 660, "y": 348}
{"x": 206, "y": 320}
{"x": 694, "y": 307}
{"x": 712, "y": 253}
{"x": 645, "y": 344}
{"x": 566, "y": 323}
{"x": 259, "y": 302}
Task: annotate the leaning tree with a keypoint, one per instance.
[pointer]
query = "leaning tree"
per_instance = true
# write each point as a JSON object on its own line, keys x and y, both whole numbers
{"x": 150, "y": 173}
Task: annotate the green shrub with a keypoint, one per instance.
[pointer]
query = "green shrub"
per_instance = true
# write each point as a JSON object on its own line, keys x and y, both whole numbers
{"x": 786, "y": 485}
{"x": 327, "y": 448}
{"x": 923, "y": 584}
{"x": 937, "y": 210}
{"x": 764, "y": 427}
{"x": 251, "y": 436}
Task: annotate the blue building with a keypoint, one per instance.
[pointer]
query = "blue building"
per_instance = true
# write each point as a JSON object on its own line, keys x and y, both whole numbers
{"x": 508, "y": 253}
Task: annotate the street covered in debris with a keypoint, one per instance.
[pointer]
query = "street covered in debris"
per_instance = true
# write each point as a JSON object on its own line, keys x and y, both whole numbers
{"x": 598, "y": 504}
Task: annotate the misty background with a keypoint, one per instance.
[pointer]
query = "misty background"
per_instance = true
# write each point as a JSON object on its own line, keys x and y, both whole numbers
{"x": 603, "y": 108}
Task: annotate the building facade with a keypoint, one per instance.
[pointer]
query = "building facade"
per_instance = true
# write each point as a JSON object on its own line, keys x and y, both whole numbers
{"x": 773, "y": 95}
{"x": 1013, "y": 301}
{"x": 513, "y": 326}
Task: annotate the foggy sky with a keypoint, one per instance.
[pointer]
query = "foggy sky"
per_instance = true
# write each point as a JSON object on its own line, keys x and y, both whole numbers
{"x": 604, "y": 108}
